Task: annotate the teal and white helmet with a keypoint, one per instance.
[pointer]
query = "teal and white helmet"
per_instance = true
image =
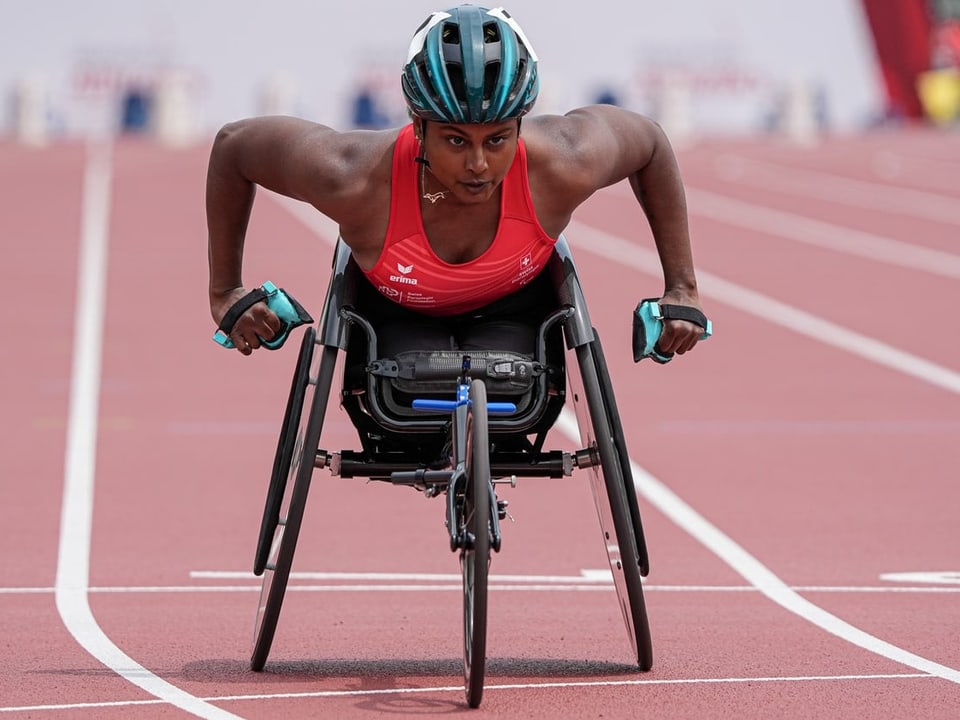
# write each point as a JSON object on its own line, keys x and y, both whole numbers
{"x": 470, "y": 64}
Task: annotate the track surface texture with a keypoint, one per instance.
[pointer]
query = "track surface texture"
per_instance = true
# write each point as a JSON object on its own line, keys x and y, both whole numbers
{"x": 797, "y": 474}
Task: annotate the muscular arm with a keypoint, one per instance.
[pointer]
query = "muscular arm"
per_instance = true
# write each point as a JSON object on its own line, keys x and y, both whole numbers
{"x": 602, "y": 145}
{"x": 293, "y": 157}
{"x": 290, "y": 156}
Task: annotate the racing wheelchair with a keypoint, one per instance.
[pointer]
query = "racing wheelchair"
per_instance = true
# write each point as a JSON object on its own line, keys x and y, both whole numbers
{"x": 453, "y": 424}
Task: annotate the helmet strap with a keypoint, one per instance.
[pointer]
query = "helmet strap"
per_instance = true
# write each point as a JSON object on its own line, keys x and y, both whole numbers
{"x": 422, "y": 136}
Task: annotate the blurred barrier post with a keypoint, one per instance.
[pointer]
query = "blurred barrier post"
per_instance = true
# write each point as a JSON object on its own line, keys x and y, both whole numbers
{"x": 278, "y": 96}
{"x": 174, "y": 123}
{"x": 799, "y": 122}
{"x": 30, "y": 112}
{"x": 674, "y": 107}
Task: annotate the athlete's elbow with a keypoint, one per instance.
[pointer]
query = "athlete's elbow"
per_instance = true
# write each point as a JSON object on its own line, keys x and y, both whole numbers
{"x": 228, "y": 134}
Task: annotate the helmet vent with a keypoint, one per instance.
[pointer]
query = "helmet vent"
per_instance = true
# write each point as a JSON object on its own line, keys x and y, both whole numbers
{"x": 457, "y": 82}
{"x": 491, "y": 73}
{"x": 451, "y": 34}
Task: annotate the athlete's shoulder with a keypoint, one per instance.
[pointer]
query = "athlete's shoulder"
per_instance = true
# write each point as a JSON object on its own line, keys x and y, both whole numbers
{"x": 361, "y": 150}
{"x": 558, "y": 140}
{"x": 568, "y": 132}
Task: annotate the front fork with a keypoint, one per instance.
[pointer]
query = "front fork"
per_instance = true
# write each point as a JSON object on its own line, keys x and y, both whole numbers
{"x": 460, "y": 537}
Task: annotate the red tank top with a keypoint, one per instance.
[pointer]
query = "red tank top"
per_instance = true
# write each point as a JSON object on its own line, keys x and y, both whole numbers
{"x": 409, "y": 272}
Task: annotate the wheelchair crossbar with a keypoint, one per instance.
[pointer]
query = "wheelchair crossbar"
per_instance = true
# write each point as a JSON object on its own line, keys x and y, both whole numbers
{"x": 494, "y": 408}
{"x": 553, "y": 464}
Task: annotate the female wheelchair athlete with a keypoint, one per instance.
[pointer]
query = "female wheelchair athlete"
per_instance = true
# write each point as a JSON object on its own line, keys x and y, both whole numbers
{"x": 454, "y": 423}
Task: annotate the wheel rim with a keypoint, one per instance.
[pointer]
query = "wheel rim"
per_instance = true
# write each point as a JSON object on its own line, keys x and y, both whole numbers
{"x": 475, "y": 557}
{"x": 283, "y": 546}
{"x": 623, "y": 561}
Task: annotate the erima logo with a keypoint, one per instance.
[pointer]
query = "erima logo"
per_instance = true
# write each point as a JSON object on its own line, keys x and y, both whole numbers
{"x": 402, "y": 278}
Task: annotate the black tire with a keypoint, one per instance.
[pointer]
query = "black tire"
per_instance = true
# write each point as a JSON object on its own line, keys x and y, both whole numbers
{"x": 287, "y": 530}
{"x": 611, "y": 495}
{"x": 284, "y": 454}
{"x": 475, "y": 557}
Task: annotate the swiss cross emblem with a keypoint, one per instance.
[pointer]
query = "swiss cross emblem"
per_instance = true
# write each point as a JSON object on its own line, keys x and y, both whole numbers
{"x": 526, "y": 260}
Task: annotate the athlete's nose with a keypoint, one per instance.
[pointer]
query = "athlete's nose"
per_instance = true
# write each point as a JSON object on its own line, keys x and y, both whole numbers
{"x": 476, "y": 161}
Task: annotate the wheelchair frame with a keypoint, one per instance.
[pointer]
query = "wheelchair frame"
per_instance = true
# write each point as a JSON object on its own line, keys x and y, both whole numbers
{"x": 603, "y": 455}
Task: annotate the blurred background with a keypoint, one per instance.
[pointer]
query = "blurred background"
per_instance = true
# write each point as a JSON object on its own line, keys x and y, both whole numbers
{"x": 178, "y": 69}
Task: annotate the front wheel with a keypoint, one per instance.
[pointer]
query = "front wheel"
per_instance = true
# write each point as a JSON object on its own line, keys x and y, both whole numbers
{"x": 285, "y": 451}
{"x": 475, "y": 555}
{"x": 279, "y": 559}
{"x": 612, "y": 486}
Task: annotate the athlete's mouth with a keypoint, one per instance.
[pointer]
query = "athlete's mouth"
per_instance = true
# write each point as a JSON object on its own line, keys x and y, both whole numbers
{"x": 476, "y": 186}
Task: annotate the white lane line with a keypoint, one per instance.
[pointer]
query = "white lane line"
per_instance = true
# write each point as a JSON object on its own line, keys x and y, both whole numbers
{"x": 300, "y": 586}
{"x": 600, "y": 577}
{"x": 754, "y": 572}
{"x": 822, "y": 234}
{"x": 682, "y": 514}
{"x": 767, "y": 308}
{"x": 594, "y": 577}
{"x": 491, "y": 687}
{"x": 949, "y": 577}
{"x": 76, "y": 519}
{"x": 794, "y": 428}
{"x": 671, "y": 505}
{"x": 883, "y": 197}
{"x": 818, "y": 233}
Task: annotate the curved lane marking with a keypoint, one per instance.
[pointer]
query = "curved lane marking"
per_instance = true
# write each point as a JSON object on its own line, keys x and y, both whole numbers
{"x": 754, "y": 572}
{"x": 76, "y": 519}
{"x": 688, "y": 519}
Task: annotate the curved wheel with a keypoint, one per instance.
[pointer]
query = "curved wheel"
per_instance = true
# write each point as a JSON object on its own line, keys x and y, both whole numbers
{"x": 475, "y": 556}
{"x": 284, "y": 454}
{"x": 600, "y": 431}
{"x": 294, "y": 498}
{"x": 606, "y": 391}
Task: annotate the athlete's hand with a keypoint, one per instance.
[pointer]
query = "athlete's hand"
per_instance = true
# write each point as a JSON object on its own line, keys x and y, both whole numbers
{"x": 680, "y": 336}
{"x": 257, "y": 323}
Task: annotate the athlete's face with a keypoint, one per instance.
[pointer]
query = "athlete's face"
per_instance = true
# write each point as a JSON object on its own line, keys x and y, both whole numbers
{"x": 470, "y": 160}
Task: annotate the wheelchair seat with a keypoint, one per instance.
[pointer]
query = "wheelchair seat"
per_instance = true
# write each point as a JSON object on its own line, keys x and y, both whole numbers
{"x": 378, "y": 392}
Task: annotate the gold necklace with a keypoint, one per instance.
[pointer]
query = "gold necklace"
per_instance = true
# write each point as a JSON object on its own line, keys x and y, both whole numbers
{"x": 432, "y": 197}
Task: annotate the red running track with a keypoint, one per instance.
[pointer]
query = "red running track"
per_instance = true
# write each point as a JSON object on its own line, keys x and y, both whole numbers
{"x": 797, "y": 473}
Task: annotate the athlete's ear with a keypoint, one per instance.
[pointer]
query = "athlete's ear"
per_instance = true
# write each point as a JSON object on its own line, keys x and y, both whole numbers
{"x": 418, "y": 129}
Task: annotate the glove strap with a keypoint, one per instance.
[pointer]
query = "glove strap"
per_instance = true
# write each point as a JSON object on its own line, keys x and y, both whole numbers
{"x": 291, "y": 314}
{"x": 239, "y": 308}
{"x": 690, "y": 314}
{"x": 648, "y": 325}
